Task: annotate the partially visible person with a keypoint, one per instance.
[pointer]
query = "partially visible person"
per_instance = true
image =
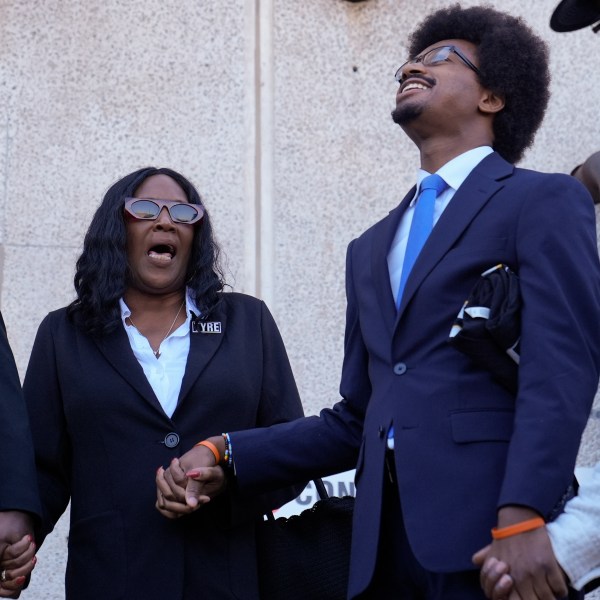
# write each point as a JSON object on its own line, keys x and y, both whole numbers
{"x": 571, "y": 15}
{"x": 19, "y": 500}
{"x": 575, "y": 539}
{"x": 150, "y": 356}
{"x": 443, "y": 452}
{"x": 588, "y": 173}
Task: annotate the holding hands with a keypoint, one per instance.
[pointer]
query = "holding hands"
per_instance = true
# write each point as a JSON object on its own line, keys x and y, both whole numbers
{"x": 17, "y": 552}
{"x": 522, "y": 566}
{"x": 190, "y": 481}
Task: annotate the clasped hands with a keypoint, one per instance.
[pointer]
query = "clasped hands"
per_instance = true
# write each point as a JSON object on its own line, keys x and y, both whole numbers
{"x": 188, "y": 483}
{"x": 17, "y": 552}
{"x": 521, "y": 567}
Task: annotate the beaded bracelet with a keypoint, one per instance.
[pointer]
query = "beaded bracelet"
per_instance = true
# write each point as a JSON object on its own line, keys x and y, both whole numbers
{"x": 212, "y": 448}
{"x": 499, "y": 533}
{"x": 228, "y": 457}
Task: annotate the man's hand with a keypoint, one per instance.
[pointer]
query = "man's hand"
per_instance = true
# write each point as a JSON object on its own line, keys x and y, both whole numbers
{"x": 522, "y": 566}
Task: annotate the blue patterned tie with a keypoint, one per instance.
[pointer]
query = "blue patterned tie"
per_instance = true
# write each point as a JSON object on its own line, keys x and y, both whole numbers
{"x": 422, "y": 224}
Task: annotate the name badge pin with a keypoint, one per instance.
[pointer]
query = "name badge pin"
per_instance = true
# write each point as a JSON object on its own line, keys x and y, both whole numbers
{"x": 206, "y": 326}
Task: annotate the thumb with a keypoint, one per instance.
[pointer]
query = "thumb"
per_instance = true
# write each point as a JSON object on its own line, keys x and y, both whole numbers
{"x": 480, "y": 556}
{"x": 192, "y": 492}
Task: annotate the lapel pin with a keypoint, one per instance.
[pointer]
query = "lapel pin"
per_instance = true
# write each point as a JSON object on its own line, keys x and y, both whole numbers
{"x": 199, "y": 326}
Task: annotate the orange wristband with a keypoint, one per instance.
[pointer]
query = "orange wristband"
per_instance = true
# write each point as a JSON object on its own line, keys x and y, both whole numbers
{"x": 212, "y": 448}
{"x": 522, "y": 527}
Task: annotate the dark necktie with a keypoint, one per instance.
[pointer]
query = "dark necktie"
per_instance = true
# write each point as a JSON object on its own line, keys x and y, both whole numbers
{"x": 422, "y": 224}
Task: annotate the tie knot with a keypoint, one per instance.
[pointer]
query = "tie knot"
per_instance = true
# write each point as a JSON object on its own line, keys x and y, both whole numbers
{"x": 433, "y": 182}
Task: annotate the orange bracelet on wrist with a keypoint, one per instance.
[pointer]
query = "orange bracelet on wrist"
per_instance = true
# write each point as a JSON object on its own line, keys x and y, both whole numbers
{"x": 212, "y": 448}
{"x": 499, "y": 533}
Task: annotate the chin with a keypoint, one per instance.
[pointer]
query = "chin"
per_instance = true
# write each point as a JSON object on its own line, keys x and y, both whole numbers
{"x": 402, "y": 115}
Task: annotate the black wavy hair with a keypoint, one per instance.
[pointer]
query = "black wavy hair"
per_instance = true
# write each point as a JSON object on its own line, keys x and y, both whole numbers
{"x": 102, "y": 270}
{"x": 513, "y": 62}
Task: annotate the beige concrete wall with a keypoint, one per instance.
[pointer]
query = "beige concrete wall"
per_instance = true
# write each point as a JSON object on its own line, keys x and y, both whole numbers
{"x": 278, "y": 110}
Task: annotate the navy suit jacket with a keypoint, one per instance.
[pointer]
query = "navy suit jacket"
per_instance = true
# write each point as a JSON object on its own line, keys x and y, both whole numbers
{"x": 464, "y": 446}
{"x": 100, "y": 433}
{"x": 18, "y": 484}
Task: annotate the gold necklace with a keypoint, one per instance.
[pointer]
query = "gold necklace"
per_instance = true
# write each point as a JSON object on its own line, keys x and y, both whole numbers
{"x": 157, "y": 352}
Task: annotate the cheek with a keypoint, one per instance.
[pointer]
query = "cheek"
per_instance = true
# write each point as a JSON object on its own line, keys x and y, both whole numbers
{"x": 187, "y": 243}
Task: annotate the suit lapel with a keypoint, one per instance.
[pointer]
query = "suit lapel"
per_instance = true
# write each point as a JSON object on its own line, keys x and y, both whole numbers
{"x": 205, "y": 339}
{"x": 381, "y": 274}
{"x": 482, "y": 183}
{"x": 117, "y": 351}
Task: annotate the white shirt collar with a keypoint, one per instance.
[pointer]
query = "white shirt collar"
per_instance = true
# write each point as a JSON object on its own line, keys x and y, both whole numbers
{"x": 190, "y": 305}
{"x": 459, "y": 168}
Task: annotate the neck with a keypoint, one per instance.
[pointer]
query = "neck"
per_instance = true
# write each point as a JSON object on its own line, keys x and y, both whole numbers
{"x": 156, "y": 317}
{"x": 436, "y": 149}
{"x": 140, "y": 302}
{"x": 433, "y": 156}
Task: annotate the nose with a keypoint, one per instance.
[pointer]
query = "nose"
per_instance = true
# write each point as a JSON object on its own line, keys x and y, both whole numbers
{"x": 164, "y": 221}
{"x": 410, "y": 68}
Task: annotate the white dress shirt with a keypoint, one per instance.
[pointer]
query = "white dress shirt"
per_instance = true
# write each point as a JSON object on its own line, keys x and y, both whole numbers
{"x": 453, "y": 173}
{"x": 164, "y": 374}
{"x": 575, "y": 535}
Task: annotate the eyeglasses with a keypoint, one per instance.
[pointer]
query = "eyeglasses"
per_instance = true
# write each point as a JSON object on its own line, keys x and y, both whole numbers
{"x": 180, "y": 212}
{"x": 434, "y": 57}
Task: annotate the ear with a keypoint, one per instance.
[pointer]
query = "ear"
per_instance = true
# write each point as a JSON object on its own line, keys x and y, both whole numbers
{"x": 490, "y": 102}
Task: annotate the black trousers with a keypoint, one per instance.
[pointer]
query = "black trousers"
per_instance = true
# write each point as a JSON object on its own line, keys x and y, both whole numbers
{"x": 399, "y": 576}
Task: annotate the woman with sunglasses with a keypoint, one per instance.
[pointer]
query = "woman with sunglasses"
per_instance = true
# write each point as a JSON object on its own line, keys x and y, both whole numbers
{"x": 149, "y": 358}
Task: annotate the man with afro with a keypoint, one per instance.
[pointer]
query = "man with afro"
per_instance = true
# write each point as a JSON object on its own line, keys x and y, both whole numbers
{"x": 444, "y": 453}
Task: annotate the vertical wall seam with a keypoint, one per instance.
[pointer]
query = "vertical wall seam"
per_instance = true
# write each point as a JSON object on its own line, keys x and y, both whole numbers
{"x": 251, "y": 211}
{"x": 4, "y": 197}
{"x": 265, "y": 108}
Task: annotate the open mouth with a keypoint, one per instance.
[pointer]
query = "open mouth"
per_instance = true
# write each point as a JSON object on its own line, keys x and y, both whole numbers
{"x": 414, "y": 84}
{"x": 162, "y": 252}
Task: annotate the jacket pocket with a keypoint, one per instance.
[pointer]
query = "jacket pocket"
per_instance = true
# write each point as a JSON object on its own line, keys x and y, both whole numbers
{"x": 482, "y": 426}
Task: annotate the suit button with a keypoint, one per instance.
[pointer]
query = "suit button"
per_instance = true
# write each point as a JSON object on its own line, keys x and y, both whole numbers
{"x": 399, "y": 368}
{"x": 171, "y": 440}
{"x": 381, "y": 431}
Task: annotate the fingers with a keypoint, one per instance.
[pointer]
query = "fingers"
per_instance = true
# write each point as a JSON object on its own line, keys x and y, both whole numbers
{"x": 491, "y": 574}
{"x": 503, "y": 588}
{"x": 480, "y": 556}
{"x": 558, "y": 582}
{"x": 179, "y": 492}
{"x": 193, "y": 493}
{"x": 17, "y": 563}
{"x": 171, "y": 496}
{"x": 204, "y": 483}
{"x": 19, "y": 553}
{"x": 167, "y": 486}
{"x": 174, "y": 480}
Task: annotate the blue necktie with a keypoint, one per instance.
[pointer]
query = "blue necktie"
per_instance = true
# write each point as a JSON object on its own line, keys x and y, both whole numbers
{"x": 422, "y": 224}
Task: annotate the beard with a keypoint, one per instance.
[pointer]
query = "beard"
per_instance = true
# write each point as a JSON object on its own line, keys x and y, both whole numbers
{"x": 405, "y": 114}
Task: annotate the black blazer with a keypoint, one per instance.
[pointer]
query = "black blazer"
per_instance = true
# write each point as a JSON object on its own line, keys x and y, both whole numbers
{"x": 100, "y": 434}
{"x": 464, "y": 446}
{"x": 18, "y": 484}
